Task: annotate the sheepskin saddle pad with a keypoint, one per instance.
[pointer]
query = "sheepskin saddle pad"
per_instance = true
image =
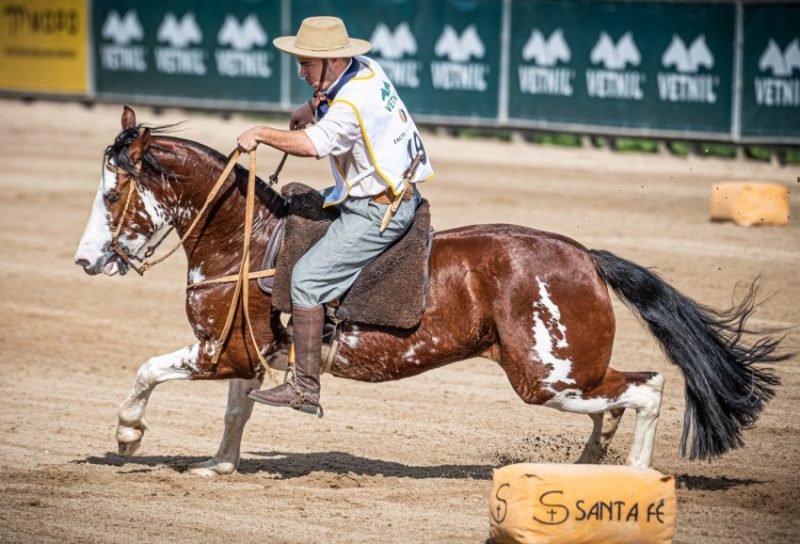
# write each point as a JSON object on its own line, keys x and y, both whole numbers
{"x": 390, "y": 292}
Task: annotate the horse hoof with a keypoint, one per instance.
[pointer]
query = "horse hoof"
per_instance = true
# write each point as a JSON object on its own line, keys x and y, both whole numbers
{"x": 129, "y": 439}
{"x": 211, "y": 469}
{"x": 126, "y": 449}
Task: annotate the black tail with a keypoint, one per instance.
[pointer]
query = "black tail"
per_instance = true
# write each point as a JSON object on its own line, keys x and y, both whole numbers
{"x": 725, "y": 391}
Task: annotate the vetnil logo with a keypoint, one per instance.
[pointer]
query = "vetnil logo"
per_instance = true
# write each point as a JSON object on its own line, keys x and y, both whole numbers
{"x": 778, "y": 87}
{"x": 685, "y": 83}
{"x": 390, "y": 47}
{"x": 242, "y": 52}
{"x": 178, "y": 57}
{"x": 544, "y": 77}
{"x": 122, "y": 55}
{"x": 615, "y": 80}
{"x": 458, "y": 72}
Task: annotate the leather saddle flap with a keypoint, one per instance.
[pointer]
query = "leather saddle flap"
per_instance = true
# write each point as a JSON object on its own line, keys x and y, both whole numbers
{"x": 391, "y": 291}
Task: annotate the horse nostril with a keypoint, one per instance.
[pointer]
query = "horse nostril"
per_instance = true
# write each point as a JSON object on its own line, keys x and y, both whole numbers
{"x": 84, "y": 263}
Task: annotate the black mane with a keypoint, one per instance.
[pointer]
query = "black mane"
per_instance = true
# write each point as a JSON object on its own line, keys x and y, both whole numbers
{"x": 118, "y": 151}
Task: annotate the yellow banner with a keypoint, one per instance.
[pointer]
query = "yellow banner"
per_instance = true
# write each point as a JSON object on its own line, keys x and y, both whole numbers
{"x": 43, "y": 46}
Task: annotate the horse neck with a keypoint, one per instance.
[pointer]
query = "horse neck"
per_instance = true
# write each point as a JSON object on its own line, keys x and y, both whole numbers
{"x": 216, "y": 243}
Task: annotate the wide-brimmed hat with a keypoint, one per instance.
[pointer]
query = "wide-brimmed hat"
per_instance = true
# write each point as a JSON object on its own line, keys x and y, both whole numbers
{"x": 322, "y": 38}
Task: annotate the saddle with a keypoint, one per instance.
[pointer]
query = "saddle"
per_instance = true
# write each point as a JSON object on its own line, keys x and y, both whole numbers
{"x": 390, "y": 292}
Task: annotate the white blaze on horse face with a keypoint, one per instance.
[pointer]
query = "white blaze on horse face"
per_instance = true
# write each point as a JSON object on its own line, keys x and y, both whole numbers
{"x": 97, "y": 234}
{"x": 550, "y": 334}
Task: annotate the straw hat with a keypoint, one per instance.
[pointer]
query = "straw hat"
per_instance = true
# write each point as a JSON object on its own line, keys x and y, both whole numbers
{"x": 322, "y": 38}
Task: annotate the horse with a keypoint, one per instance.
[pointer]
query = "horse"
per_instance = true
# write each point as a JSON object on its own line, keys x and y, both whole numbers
{"x": 536, "y": 303}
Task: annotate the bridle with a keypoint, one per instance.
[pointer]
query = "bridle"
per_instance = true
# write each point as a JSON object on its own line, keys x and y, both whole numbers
{"x": 242, "y": 279}
{"x": 127, "y": 257}
{"x": 115, "y": 245}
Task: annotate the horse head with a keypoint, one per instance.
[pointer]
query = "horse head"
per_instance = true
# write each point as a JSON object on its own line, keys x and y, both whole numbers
{"x": 128, "y": 211}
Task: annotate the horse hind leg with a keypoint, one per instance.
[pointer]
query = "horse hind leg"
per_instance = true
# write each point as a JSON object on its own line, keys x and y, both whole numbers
{"x": 237, "y": 414}
{"x": 603, "y": 431}
{"x": 641, "y": 391}
{"x": 644, "y": 395}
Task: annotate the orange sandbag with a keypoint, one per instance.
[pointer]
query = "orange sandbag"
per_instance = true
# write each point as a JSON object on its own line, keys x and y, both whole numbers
{"x": 572, "y": 504}
{"x": 750, "y": 203}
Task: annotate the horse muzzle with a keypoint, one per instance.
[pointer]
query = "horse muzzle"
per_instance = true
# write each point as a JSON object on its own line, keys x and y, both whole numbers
{"x": 108, "y": 263}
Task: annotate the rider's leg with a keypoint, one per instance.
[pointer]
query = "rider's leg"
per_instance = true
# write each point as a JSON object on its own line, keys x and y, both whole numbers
{"x": 303, "y": 393}
{"x": 324, "y": 274}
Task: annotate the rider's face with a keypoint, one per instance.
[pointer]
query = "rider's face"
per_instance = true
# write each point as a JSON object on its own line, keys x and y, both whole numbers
{"x": 310, "y": 70}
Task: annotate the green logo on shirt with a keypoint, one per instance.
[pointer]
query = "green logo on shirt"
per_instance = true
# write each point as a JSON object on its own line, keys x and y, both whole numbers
{"x": 386, "y": 92}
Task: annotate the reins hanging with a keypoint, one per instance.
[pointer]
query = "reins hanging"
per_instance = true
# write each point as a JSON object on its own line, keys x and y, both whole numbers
{"x": 241, "y": 293}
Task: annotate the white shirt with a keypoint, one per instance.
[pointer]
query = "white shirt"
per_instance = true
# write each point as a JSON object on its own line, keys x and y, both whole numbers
{"x": 339, "y": 134}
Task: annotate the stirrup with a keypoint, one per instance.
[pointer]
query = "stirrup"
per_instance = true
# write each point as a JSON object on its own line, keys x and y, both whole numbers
{"x": 304, "y": 404}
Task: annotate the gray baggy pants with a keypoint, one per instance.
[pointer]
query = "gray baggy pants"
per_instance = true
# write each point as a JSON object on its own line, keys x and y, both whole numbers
{"x": 352, "y": 241}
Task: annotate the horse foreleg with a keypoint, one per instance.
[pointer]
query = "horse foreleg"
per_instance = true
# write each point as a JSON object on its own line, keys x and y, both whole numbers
{"x": 173, "y": 366}
{"x": 236, "y": 415}
{"x": 605, "y": 427}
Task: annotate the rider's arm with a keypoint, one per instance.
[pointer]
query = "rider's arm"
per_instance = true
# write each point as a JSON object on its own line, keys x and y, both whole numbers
{"x": 294, "y": 142}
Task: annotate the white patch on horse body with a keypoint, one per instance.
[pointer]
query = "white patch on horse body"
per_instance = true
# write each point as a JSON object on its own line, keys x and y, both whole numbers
{"x": 410, "y": 353}
{"x": 548, "y": 303}
{"x": 546, "y": 341}
{"x": 571, "y": 400}
{"x": 184, "y": 213}
{"x": 210, "y": 348}
{"x": 196, "y": 275}
{"x": 350, "y": 338}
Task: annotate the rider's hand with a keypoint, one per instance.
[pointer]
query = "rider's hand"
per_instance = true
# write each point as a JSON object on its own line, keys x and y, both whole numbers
{"x": 301, "y": 117}
{"x": 247, "y": 140}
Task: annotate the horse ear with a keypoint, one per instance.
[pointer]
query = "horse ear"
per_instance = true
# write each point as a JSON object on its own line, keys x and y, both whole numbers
{"x": 128, "y": 118}
{"x": 139, "y": 146}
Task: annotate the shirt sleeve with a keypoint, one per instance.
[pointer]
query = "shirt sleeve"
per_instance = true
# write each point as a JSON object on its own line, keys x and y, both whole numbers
{"x": 337, "y": 132}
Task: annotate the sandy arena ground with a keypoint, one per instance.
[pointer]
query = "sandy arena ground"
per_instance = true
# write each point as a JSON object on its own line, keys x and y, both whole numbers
{"x": 407, "y": 461}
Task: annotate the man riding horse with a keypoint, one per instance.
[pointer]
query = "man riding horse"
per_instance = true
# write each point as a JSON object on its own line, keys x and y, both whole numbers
{"x": 376, "y": 157}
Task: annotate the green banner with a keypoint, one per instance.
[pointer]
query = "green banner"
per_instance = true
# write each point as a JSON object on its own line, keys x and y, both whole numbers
{"x": 628, "y": 67}
{"x": 443, "y": 57}
{"x": 622, "y": 64}
{"x": 217, "y": 51}
{"x": 771, "y": 70}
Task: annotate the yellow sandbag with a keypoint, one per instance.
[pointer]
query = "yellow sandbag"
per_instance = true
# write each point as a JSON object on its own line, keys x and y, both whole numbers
{"x": 750, "y": 203}
{"x": 572, "y": 504}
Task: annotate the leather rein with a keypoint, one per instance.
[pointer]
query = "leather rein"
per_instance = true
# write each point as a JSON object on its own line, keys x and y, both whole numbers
{"x": 241, "y": 294}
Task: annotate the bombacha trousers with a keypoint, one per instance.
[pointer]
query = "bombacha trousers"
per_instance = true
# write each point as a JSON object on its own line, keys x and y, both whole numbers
{"x": 353, "y": 240}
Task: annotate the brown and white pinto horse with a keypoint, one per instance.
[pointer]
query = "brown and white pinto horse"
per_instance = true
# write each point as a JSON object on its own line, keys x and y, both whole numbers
{"x": 536, "y": 303}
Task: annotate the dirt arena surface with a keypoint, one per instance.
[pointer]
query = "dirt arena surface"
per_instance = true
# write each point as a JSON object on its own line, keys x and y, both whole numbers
{"x": 407, "y": 461}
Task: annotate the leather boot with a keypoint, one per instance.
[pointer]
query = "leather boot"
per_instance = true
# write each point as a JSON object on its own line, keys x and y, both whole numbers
{"x": 302, "y": 392}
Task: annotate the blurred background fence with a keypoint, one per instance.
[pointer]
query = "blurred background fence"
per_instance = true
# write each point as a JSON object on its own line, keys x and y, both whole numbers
{"x": 724, "y": 71}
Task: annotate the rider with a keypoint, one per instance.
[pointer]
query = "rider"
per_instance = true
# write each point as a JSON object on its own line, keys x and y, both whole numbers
{"x": 366, "y": 130}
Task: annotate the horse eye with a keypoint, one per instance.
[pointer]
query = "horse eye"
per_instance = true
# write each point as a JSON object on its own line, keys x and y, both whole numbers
{"x": 112, "y": 197}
